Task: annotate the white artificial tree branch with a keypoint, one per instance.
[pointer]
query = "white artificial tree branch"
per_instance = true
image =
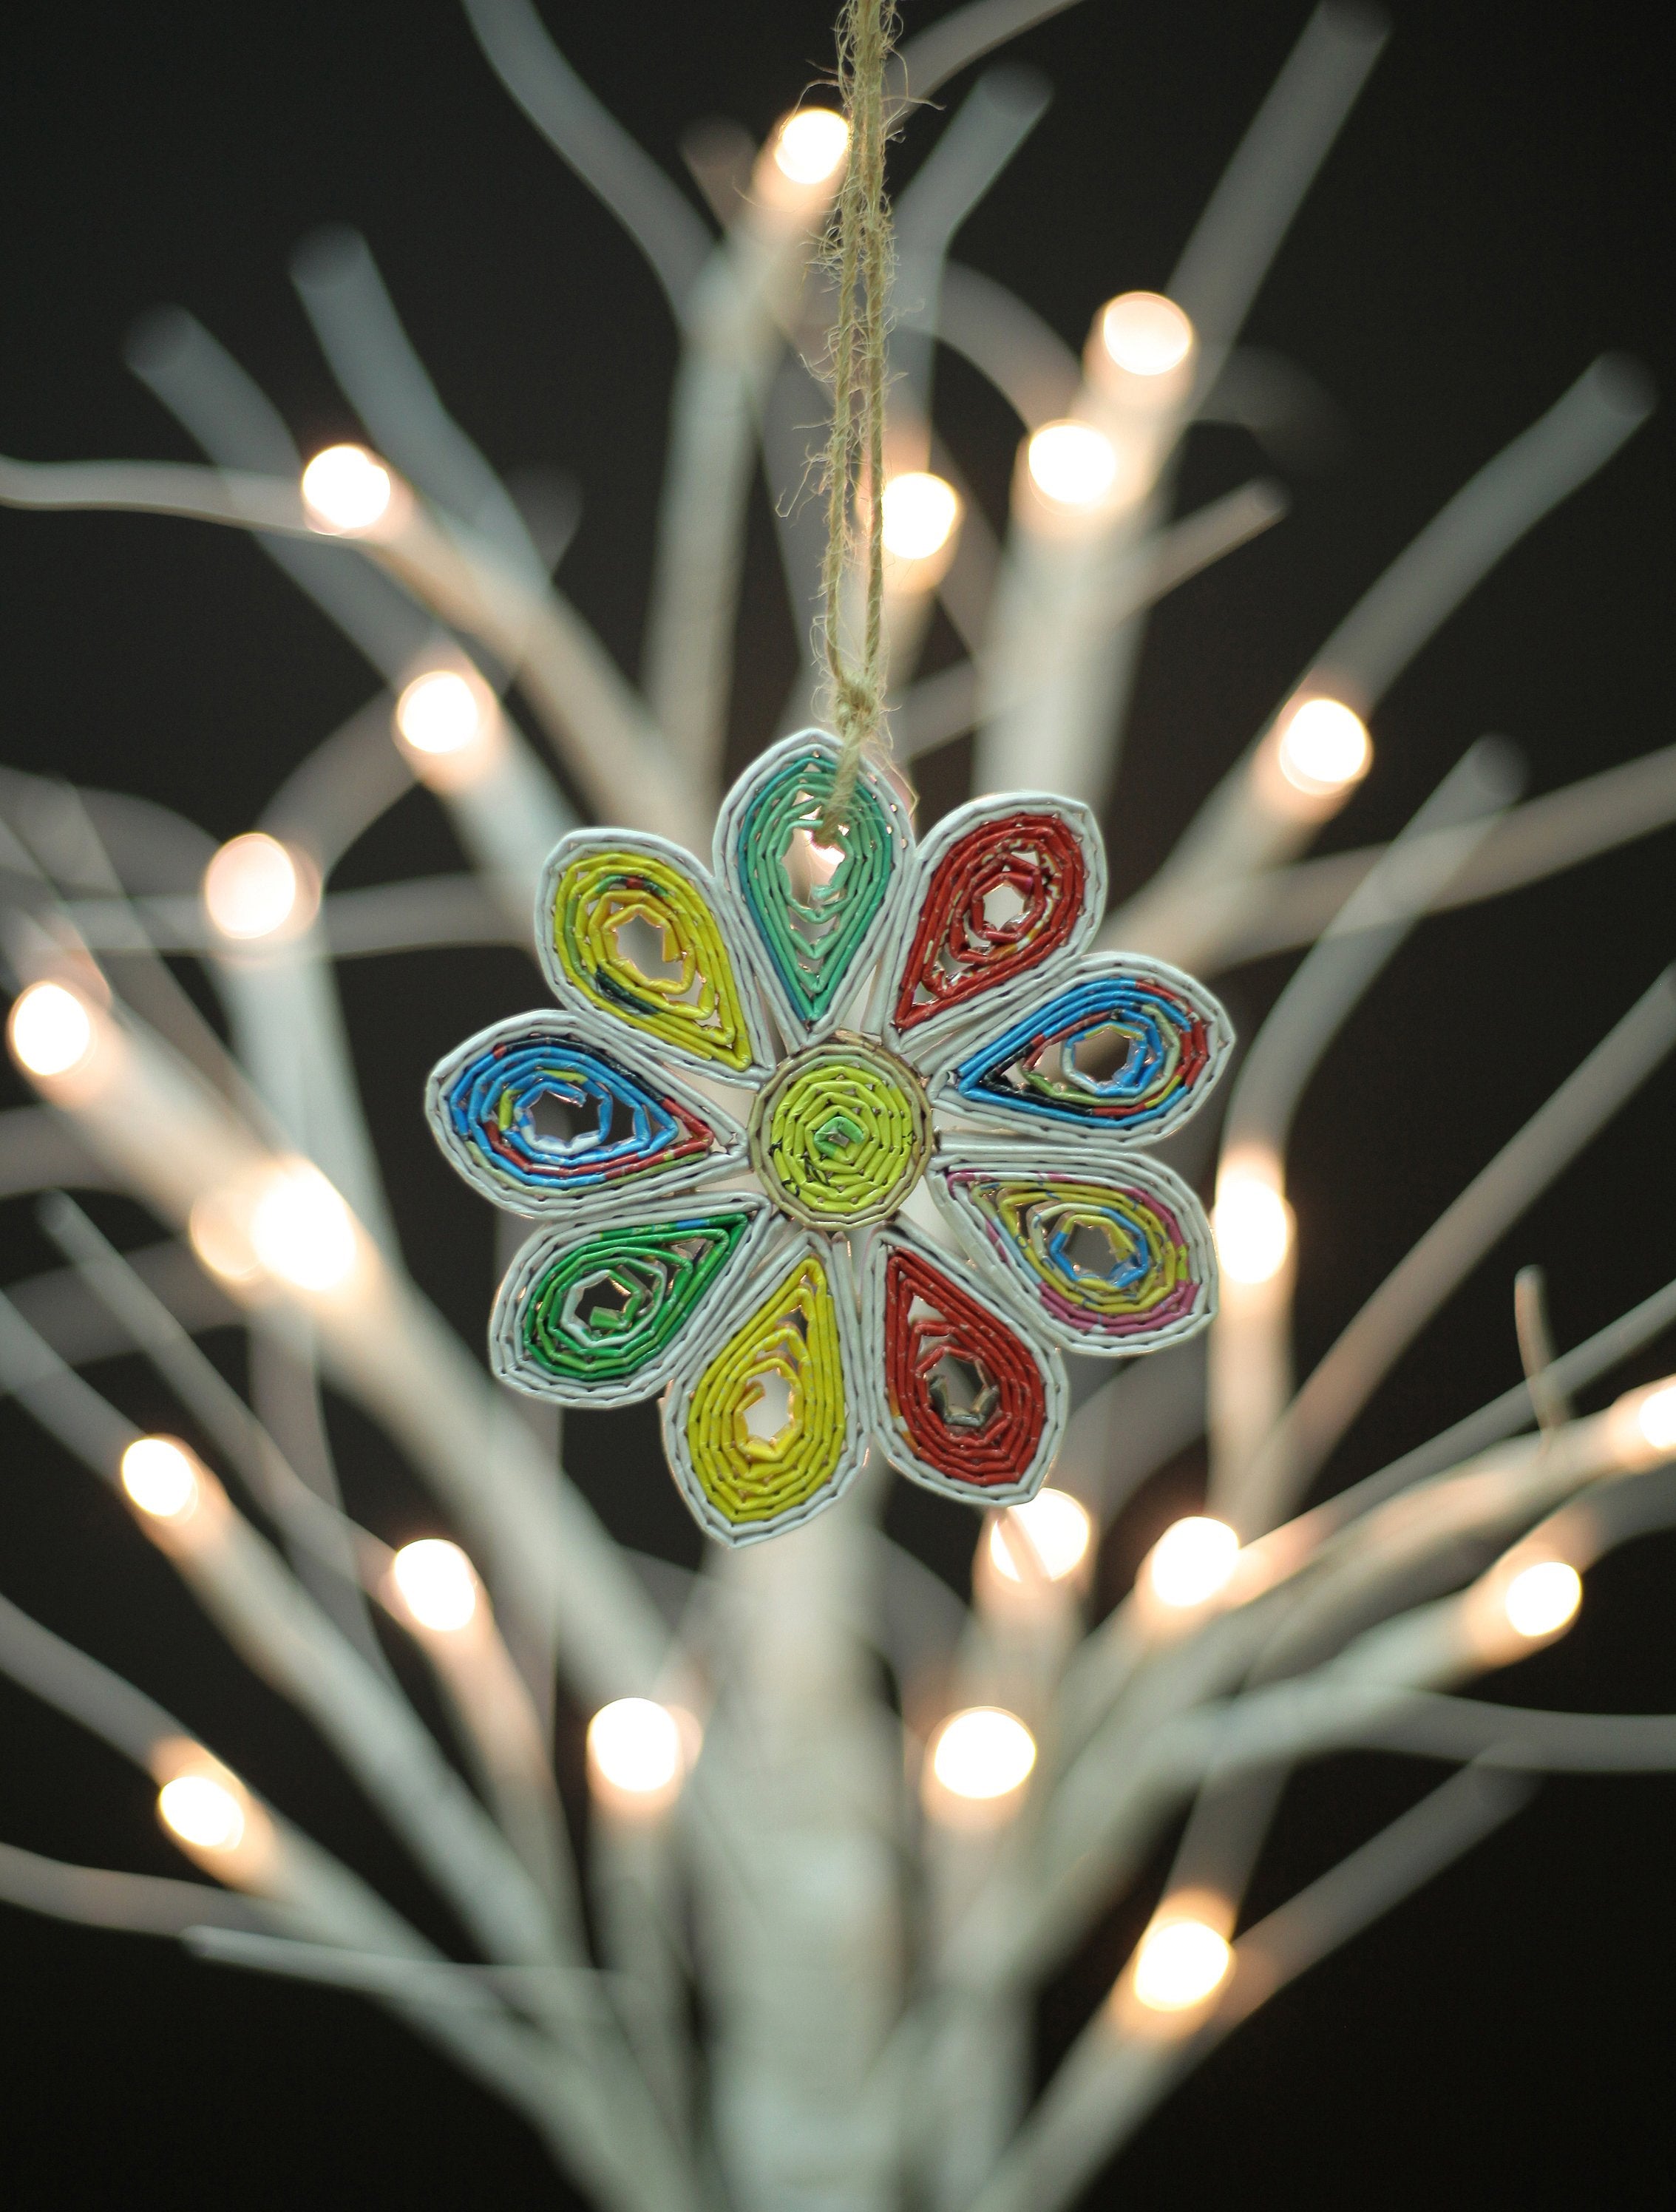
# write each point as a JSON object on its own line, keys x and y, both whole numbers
{"x": 586, "y": 135}
{"x": 302, "y": 1892}
{"x": 1250, "y": 1363}
{"x": 1255, "y": 819}
{"x": 1369, "y": 1347}
{"x": 1171, "y": 1726}
{"x": 1054, "y": 716}
{"x": 1111, "y": 2080}
{"x": 536, "y": 1542}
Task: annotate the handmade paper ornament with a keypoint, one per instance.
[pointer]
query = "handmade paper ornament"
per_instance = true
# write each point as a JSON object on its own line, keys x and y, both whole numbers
{"x": 836, "y": 1145}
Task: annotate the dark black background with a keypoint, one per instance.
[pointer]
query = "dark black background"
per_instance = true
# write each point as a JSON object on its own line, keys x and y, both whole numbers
{"x": 1497, "y": 212}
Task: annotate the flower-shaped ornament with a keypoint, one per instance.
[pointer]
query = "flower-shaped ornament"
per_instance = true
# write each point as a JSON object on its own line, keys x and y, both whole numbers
{"x": 838, "y": 1145}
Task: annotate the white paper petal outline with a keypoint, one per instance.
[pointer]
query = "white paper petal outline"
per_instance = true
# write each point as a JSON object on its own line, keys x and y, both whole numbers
{"x": 571, "y": 993}
{"x": 998, "y": 1258}
{"x": 935, "y": 1038}
{"x": 888, "y": 1432}
{"x": 687, "y": 1164}
{"x": 509, "y": 1356}
{"x": 781, "y": 1258}
{"x": 962, "y": 1083}
{"x": 732, "y": 827}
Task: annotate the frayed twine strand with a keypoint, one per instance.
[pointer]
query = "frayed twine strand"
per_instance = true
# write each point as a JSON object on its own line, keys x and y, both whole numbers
{"x": 861, "y": 253}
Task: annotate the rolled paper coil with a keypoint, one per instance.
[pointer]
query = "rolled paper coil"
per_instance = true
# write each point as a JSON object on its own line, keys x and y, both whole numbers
{"x": 599, "y": 1319}
{"x": 1004, "y": 891}
{"x": 1128, "y": 1050}
{"x": 1111, "y": 1264}
{"x": 817, "y": 914}
{"x": 763, "y": 1435}
{"x": 842, "y": 1134}
{"x": 966, "y": 1403}
{"x": 629, "y": 927}
{"x": 543, "y": 1119}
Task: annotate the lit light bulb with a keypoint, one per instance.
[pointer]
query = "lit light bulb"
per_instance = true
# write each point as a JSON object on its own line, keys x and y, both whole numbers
{"x": 345, "y": 490}
{"x": 1656, "y": 1417}
{"x": 1192, "y": 1561}
{"x": 1178, "y": 1964}
{"x": 158, "y": 1474}
{"x": 1252, "y": 1225}
{"x": 301, "y": 1230}
{"x": 921, "y": 511}
{"x": 809, "y": 146}
{"x": 635, "y": 1750}
{"x": 1071, "y": 464}
{"x": 251, "y": 887}
{"x": 51, "y": 1029}
{"x": 203, "y": 1811}
{"x": 437, "y": 1584}
{"x": 1324, "y": 748}
{"x": 982, "y": 1753}
{"x": 218, "y": 1230}
{"x": 1146, "y": 333}
{"x": 441, "y": 712}
{"x": 1540, "y": 1599}
{"x": 1057, "y": 1528}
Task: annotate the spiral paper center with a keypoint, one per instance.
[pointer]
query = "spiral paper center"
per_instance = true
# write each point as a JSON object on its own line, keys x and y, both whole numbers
{"x": 839, "y": 1137}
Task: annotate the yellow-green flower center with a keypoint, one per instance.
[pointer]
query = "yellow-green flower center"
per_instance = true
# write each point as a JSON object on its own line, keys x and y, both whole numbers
{"x": 839, "y": 1136}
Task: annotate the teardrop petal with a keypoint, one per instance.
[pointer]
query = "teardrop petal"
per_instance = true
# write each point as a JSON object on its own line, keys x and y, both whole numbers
{"x": 817, "y": 915}
{"x": 759, "y": 1432}
{"x": 627, "y": 923}
{"x": 1113, "y": 1260}
{"x": 597, "y": 1319}
{"x": 1127, "y": 1051}
{"x": 965, "y": 1403}
{"x": 1007, "y": 889}
{"x": 543, "y": 1117}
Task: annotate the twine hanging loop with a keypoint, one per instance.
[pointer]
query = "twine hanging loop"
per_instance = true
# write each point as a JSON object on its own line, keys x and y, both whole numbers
{"x": 860, "y": 250}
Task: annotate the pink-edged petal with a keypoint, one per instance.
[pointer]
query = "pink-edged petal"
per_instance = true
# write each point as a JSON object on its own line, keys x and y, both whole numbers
{"x": 1114, "y": 1256}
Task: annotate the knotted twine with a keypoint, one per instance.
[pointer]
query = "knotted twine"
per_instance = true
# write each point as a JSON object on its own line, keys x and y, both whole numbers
{"x": 860, "y": 254}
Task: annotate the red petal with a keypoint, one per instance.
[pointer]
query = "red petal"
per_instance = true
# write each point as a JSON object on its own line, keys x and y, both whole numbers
{"x": 957, "y": 949}
{"x": 992, "y": 1443}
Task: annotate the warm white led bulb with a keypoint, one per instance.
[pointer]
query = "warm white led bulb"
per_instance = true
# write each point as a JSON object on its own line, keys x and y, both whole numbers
{"x": 1541, "y": 1600}
{"x": 158, "y": 1474}
{"x": 921, "y": 511}
{"x": 251, "y": 887}
{"x": 1324, "y": 748}
{"x": 809, "y": 146}
{"x": 1146, "y": 334}
{"x": 345, "y": 490}
{"x": 301, "y": 1230}
{"x": 1057, "y": 1528}
{"x": 1071, "y": 464}
{"x": 1192, "y": 1561}
{"x": 634, "y": 1748}
{"x": 436, "y": 1583}
{"x": 983, "y": 1753}
{"x": 1178, "y": 1964}
{"x": 51, "y": 1029}
{"x": 1655, "y": 1416}
{"x": 218, "y": 1230}
{"x": 1252, "y": 1225}
{"x": 203, "y": 1811}
{"x": 440, "y": 712}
